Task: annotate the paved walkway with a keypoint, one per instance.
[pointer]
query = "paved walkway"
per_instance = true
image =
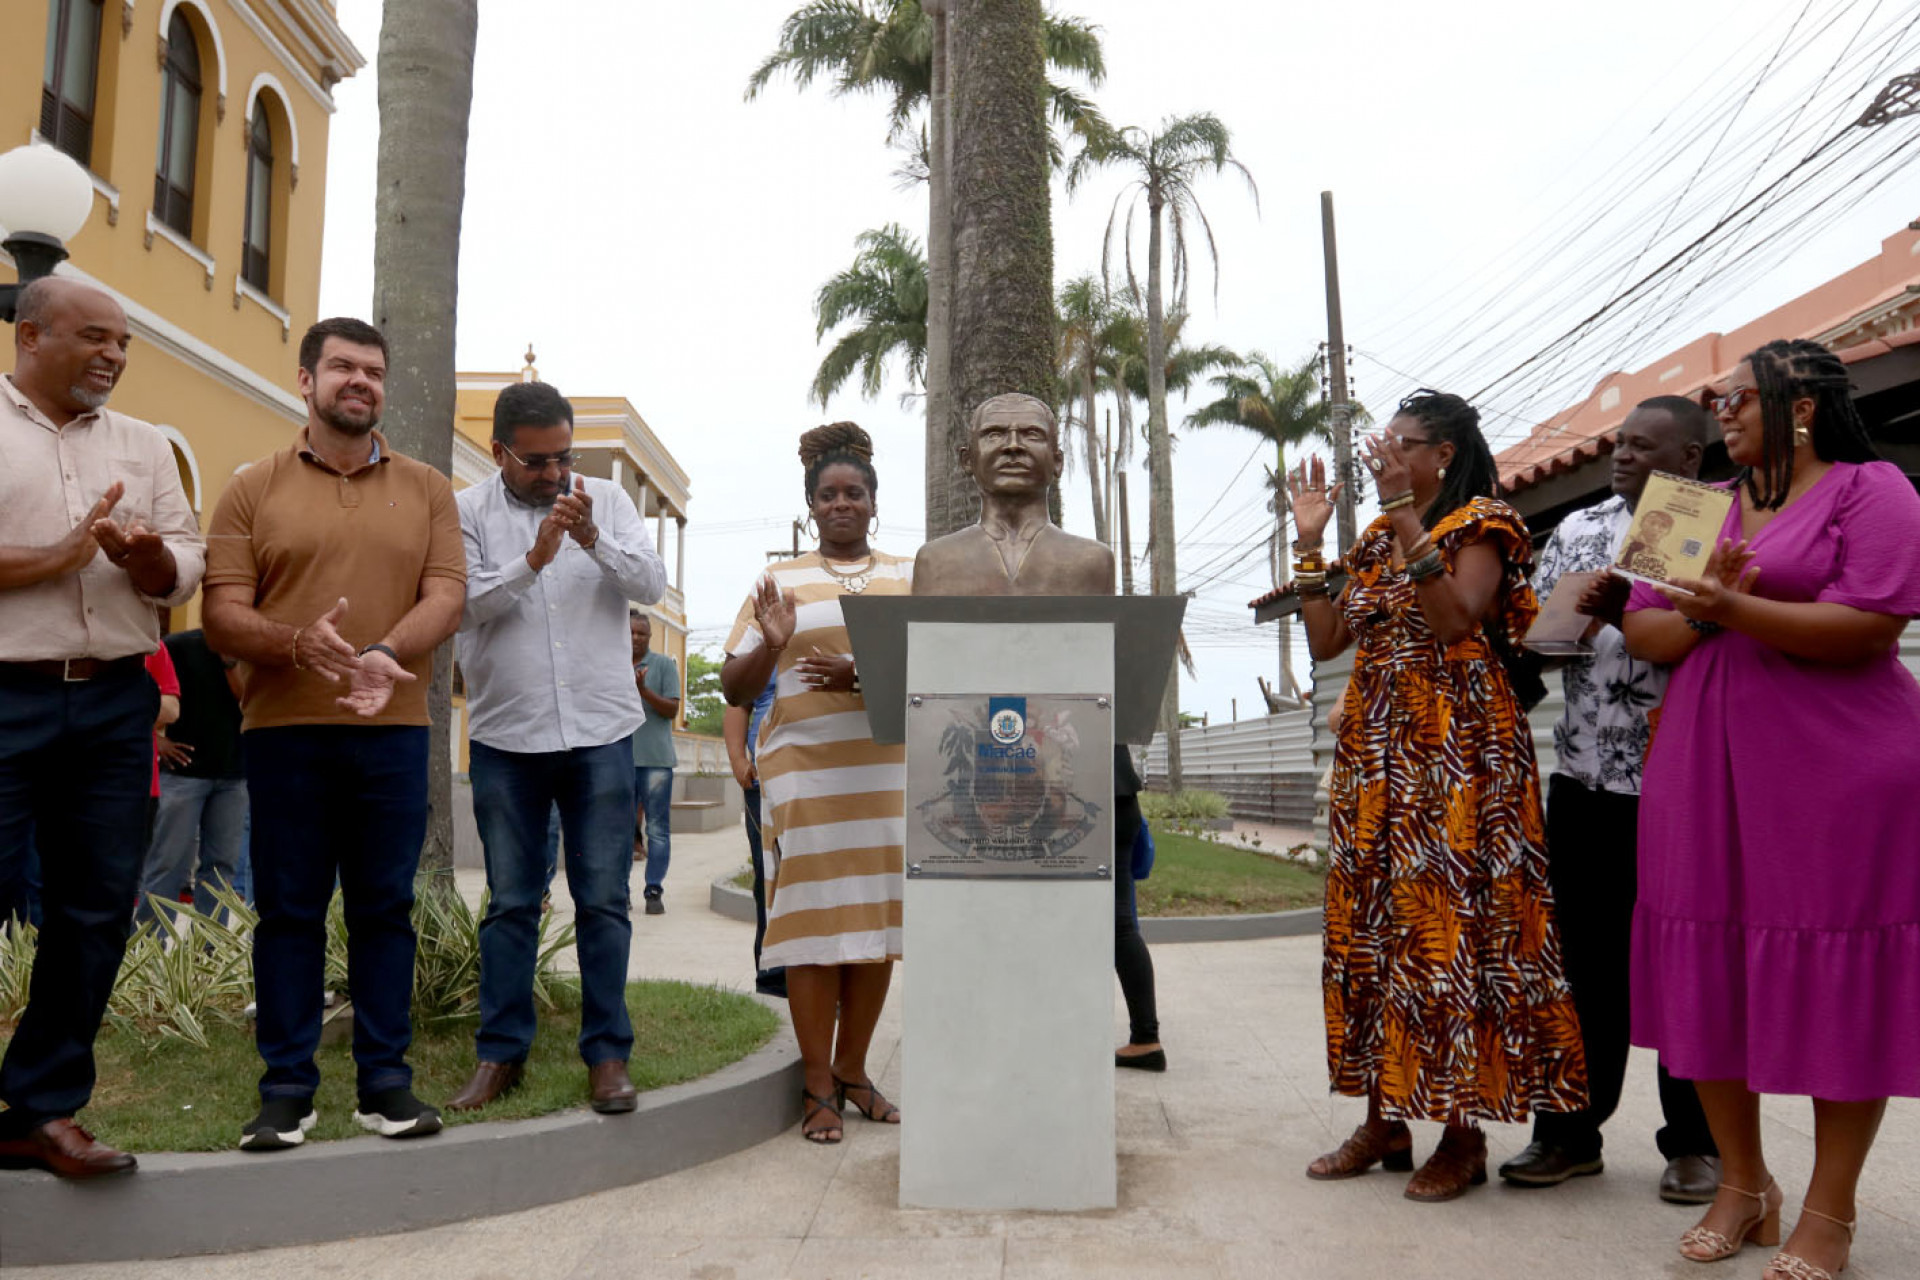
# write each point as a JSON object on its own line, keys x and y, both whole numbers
{"x": 1210, "y": 1172}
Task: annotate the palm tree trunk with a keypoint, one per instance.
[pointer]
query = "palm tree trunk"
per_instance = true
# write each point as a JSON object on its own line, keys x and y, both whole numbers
{"x": 426, "y": 90}
{"x": 1286, "y": 684}
{"x": 1002, "y": 309}
{"x": 1095, "y": 480}
{"x": 1160, "y": 476}
{"x": 944, "y": 480}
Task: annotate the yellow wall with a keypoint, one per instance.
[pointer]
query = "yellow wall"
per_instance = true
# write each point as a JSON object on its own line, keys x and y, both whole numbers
{"x": 216, "y": 365}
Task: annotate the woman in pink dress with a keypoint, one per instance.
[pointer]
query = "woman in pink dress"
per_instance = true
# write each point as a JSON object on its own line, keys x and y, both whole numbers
{"x": 1776, "y": 944}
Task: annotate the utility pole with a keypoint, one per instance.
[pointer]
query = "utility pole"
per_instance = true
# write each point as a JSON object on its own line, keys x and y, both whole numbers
{"x": 1341, "y": 411}
{"x": 1126, "y": 538}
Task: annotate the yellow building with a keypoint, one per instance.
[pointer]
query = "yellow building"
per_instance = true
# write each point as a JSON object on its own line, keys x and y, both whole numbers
{"x": 203, "y": 124}
{"x": 613, "y": 442}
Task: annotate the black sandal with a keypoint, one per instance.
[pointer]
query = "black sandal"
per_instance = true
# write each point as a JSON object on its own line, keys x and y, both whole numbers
{"x": 887, "y": 1112}
{"x": 826, "y": 1134}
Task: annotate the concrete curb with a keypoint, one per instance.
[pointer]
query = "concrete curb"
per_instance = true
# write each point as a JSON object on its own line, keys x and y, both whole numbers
{"x": 736, "y": 903}
{"x": 178, "y": 1205}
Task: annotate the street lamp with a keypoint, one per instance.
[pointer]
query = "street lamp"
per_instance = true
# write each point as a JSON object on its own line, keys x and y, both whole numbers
{"x": 45, "y": 198}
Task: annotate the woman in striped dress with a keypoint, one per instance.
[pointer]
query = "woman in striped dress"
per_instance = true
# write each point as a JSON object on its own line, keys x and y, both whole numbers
{"x": 832, "y": 799}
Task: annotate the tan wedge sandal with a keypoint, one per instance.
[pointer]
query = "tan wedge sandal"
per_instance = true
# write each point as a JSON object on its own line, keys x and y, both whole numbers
{"x": 1700, "y": 1244}
{"x": 1791, "y": 1266}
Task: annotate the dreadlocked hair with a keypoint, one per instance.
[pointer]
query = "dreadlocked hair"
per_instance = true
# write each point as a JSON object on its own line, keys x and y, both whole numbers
{"x": 1472, "y": 473}
{"x": 844, "y": 442}
{"x": 1788, "y": 370}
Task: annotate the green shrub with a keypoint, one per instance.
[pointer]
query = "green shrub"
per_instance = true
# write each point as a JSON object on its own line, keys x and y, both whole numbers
{"x": 185, "y": 972}
{"x": 1182, "y": 807}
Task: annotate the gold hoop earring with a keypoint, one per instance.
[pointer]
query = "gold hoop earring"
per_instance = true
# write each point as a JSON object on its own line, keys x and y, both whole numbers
{"x": 810, "y": 527}
{"x": 873, "y": 526}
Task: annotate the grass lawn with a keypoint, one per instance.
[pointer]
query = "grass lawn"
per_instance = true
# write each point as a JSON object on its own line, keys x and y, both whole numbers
{"x": 1194, "y": 877}
{"x": 179, "y": 1098}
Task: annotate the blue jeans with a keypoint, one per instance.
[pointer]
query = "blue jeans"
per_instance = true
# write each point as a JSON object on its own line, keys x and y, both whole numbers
{"x": 199, "y": 834}
{"x": 513, "y": 792}
{"x": 347, "y": 801}
{"x": 655, "y": 789}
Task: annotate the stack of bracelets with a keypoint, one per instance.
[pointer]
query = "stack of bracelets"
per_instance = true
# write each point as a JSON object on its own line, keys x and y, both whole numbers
{"x": 1422, "y": 558}
{"x": 1309, "y": 571}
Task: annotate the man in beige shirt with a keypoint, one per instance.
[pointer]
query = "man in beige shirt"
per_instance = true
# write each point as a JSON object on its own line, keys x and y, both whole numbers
{"x": 335, "y": 568}
{"x": 95, "y": 535}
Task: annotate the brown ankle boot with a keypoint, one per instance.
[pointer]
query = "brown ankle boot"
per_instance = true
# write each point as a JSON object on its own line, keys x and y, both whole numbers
{"x": 1459, "y": 1162}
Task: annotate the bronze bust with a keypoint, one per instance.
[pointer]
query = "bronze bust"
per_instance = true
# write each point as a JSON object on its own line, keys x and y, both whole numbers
{"x": 1013, "y": 454}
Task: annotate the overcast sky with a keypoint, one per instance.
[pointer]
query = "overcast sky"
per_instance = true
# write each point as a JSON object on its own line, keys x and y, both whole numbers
{"x": 656, "y": 237}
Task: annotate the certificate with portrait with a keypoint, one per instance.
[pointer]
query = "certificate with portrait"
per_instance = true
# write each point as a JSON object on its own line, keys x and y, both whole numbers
{"x": 1675, "y": 526}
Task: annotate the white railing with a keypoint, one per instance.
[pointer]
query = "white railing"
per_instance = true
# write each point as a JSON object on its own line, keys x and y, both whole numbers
{"x": 1266, "y": 745}
{"x": 699, "y": 753}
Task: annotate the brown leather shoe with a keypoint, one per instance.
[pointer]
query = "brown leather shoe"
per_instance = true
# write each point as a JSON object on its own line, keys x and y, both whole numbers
{"x": 1459, "y": 1162}
{"x": 490, "y": 1080}
{"x": 65, "y": 1148}
{"x": 613, "y": 1092}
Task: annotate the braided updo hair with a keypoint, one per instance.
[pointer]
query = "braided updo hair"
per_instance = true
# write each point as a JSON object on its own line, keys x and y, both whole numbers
{"x": 1472, "y": 473}
{"x": 1785, "y": 371}
{"x": 844, "y": 442}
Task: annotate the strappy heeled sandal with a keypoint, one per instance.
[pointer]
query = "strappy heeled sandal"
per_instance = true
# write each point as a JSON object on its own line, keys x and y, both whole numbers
{"x": 1791, "y": 1266}
{"x": 827, "y": 1134}
{"x": 876, "y": 1107}
{"x": 1391, "y": 1149}
{"x": 1761, "y": 1229}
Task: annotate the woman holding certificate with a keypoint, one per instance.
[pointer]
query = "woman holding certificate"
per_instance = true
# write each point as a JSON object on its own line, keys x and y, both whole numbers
{"x": 1776, "y": 944}
{"x": 1446, "y": 999}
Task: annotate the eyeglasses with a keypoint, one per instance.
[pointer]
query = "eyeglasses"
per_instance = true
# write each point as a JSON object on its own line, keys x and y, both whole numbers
{"x": 541, "y": 461}
{"x": 1733, "y": 402}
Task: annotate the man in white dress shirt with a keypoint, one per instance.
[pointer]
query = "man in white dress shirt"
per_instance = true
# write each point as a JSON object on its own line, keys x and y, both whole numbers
{"x": 552, "y": 561}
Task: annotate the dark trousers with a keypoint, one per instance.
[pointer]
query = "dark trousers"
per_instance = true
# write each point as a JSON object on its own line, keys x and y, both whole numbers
{"x": 1130, "y": 957}
{"x": 1592, "y": 861}
{"x": 76, "y": 764}
{"x": 768, "y": 982}
{"x": 513, "y": 794}
{"x": 347, "y": 801}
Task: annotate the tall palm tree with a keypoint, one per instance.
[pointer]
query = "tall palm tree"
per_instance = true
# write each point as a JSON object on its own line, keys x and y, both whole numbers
{"x": 1281, "y": 405}
{"x": 426, "y": 91}
{"x": 899, "y": 48}
{"x": 886, "y": 290}
{"x": 1085, "y": 311}
{"x": 1162, "y": 168}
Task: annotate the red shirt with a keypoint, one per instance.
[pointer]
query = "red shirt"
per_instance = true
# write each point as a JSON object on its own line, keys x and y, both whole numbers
{"x": 160, "y": 667}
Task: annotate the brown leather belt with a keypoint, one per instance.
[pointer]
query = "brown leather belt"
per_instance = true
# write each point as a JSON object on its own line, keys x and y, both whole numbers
{"x": 72, "y": 670}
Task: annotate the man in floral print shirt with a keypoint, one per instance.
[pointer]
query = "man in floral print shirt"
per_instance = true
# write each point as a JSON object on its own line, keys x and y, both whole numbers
{"x": 1593, "y": 804}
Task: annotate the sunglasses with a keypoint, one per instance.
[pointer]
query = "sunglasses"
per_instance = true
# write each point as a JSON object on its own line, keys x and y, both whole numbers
{"x": 1733, "y": 402}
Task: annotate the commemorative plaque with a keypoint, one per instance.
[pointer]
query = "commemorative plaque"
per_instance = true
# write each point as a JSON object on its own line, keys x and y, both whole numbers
{"x": 1023, "y": 788}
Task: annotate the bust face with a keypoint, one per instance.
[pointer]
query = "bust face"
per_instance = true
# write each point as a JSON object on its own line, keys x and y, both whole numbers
{"x": 1012, "y": 451}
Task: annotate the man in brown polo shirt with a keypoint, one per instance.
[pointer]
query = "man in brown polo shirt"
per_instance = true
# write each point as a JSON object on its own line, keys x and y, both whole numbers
{"x": 95, "y": 532}
{"x": 335, "y": 568}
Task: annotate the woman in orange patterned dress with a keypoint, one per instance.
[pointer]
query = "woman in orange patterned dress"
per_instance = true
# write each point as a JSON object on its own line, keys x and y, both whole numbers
{"x": 1445, "y": 995}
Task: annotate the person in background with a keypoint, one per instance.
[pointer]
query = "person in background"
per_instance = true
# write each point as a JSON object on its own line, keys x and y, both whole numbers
{"x": 1445, "y": 995}
{"x": 740, "y": 728}
{"x": 551, "y": 712}
{"x": 834, "y": 800}
{"x": 1776, "y": 941}
{"x": 657, "y": 677}
{"x": 95, "y": 534}
{"x": 1593, "y": 814}
{"x": 199, "y": 832}
{"x": 336, "y": 570}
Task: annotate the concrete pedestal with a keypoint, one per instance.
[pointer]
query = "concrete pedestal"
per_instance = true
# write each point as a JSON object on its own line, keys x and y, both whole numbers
{"x": 1007, "y": 1059}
